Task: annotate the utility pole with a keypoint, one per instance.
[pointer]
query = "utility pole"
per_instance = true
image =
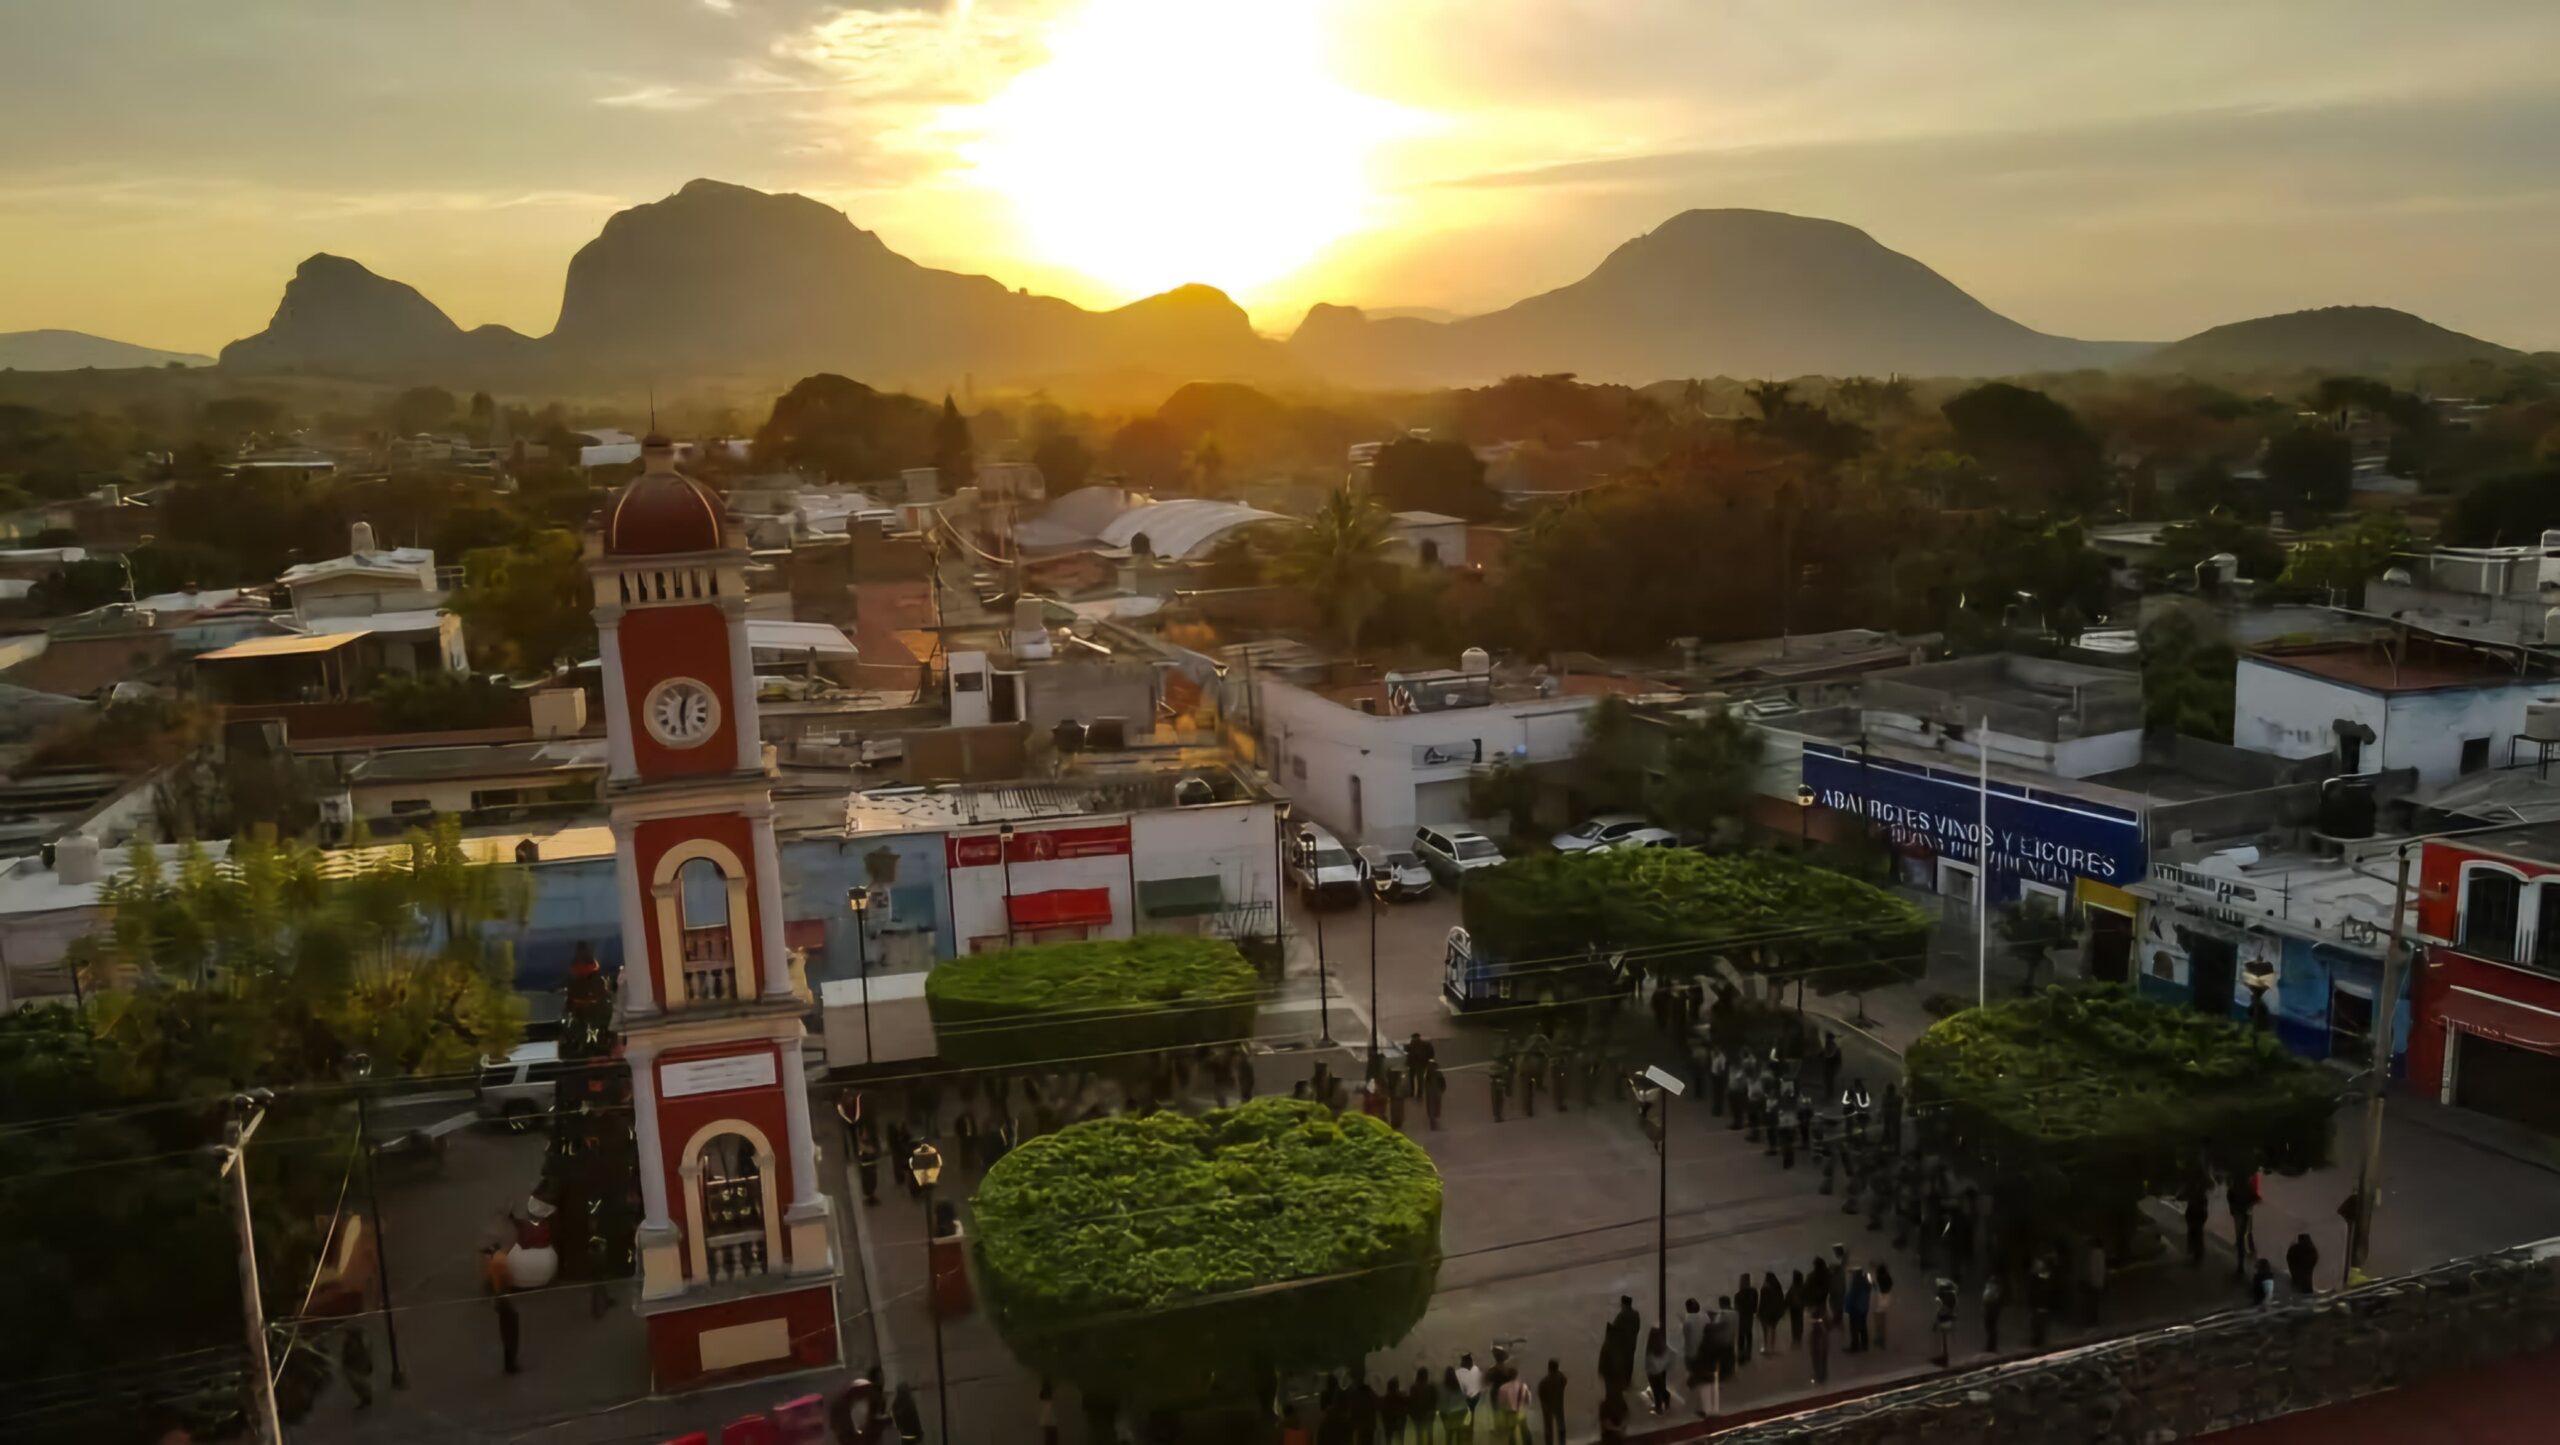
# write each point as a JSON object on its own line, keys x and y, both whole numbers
{"x": 248, "y": 1111}
{"x": 2386, "y": 1006}
{"x": 1981, "y": 874}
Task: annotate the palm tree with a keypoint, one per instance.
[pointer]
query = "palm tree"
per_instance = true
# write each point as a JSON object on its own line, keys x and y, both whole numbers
{"x": 1342, "y": 554}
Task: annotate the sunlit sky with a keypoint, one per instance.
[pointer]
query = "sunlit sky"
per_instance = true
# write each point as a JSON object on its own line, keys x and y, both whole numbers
{"x": 2102, "y": 170}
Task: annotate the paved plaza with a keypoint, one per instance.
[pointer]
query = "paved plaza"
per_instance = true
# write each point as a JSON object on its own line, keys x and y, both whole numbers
{"x": 1548, "y": 1220}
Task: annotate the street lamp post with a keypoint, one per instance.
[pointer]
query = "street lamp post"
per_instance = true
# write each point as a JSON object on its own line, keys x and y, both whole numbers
{"x": 1377, "y": 902}
{"x": 373, "y": 1206}
{"x": 1279, "y": 882}
{"x": 1004, "y": 849}
{"x": 926, "y": 1164}
{"x": 1653, "y": 1091}
{"x": 1324, "y": 982}
{"x": 1804, "y": 817}
{"x": 857, "y": 901}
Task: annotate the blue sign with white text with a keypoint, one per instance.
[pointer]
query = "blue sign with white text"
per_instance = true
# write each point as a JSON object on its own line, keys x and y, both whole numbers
{"x": 2035, "y": 833}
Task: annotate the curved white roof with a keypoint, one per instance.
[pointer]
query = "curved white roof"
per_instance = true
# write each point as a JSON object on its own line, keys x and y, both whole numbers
{"x": 1179, "y": 529}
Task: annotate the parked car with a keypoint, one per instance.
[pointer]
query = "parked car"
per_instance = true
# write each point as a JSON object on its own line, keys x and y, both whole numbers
{"x": 518, "y": 1089}
{"x": 1394, "y": 871}
{"x": 1605, "y": 829}
{"x": 1321, "y": 869}
{"x": 1639, "y": 838}
{"x": 1452, "y": 853}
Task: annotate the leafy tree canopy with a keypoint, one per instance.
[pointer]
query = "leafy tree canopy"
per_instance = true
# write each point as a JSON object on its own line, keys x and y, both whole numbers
{"x": 1271, "y": 1236}
{"x": 2081, "y": 1100}
{"x": 1082, "y": 1000}
{"x": 2037, "y": 447}
{"x": 2342, "y": 559}
{"x": 1341, "y": 555}
{"x": 2508, "y": 510}
{"x": 2310, "y": 471}
{"x": 1413, "y": 475}
{"x": 954, "y": 454}
{"x": 528, "y": 606}
{"x": 2187, "y": 677}
{"x": 846, "y": 432}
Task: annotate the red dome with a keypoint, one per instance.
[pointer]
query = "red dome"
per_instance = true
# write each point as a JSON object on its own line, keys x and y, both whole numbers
{"x": 661, "y": 514}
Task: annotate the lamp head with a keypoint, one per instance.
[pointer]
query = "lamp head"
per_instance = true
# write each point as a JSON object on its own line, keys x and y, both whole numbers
{"x": 1281, "y": 810}
{"x": 1804, "y": 795}
{"x": 857, "y": 901}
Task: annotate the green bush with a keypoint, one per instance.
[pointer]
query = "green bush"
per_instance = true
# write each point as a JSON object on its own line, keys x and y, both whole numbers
{"x": 1762, "y": 910}
{"x": 2079, "y": 1101}
{"x": 1061, "y": 1001}
{"x": 1166, "y": 1259}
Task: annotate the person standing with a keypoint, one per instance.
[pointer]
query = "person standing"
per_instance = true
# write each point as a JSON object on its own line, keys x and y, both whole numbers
{"x": 2302, "y": 1262}
{"x": 1797, "y": 1293}
{"x": 1830, "y": 1064}
{"x": 1420, "y": 1055}
{"x": 1746, "y": 1312}
{"x": 1773, "y": 1305}
{"x": 2198, "y": 1212}
{"x": 1618, "y": 1346}
{"x": 1657, "y": 1369}
{"x": 1839, "y": 1283}
{"x": 1470, "y": 1382}
{"x": 1820, "y": 1348}
{"x": 1861, "y": 1299}
{"x": 1881, "y": 1312}
{"x": 2242, "y": 1199}
{"x": 1363, "y": 1403}
{"x": 1393, "y": 1413}
{"x": 2040, "y": 1288}
{"x": 1511, "y": 1410}
{"x": 1693, "y": 1344}
{"x": 1551, "y": 1404}
{"x": 1946, "y": 1322}
{"x": 1993, "y": 1297}
{"x": 1422, "y": 1404}
{"x": 1435, "y": 1090}
{"x": 1817, "y": 1288}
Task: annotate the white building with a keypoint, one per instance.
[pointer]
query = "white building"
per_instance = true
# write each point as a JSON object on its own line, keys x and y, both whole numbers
{"x": 2407, "y": 699}
{"x": 1431, "y": 539}
{"x": 1373, "y": 761}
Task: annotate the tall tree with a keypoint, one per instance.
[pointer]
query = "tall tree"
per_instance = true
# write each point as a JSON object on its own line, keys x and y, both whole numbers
{"x": 1413, "y": 475}
{"x": 954, "y": 455}
{"x": 1343, "y": 556}
{"x": 844, "y": 431}
{"x": 2036, "y": 447}
{"x": 1705, "y": 780}
{"x": 529, "y": 606}
{"x": 1063, "y": 459}
{"x": 2310, "y": 471}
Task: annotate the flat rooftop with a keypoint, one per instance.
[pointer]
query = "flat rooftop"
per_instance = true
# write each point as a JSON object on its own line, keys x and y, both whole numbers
{"x": 2419, "y": 662}
{"x": 922, "y": 809}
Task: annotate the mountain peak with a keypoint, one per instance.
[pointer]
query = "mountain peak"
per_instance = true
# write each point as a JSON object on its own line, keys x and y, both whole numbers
{"x": 2354, "y": 338}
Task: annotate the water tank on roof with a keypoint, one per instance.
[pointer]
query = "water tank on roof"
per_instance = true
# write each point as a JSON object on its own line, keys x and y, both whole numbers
{"x": 1194, "y": 793}
{"x": 360, "y": 538}
{"x": 2542, "y": 719}
{"x": 1475, "y": 661}
{"x": 75, "y": 859}
{"x": 2346, "y": 808}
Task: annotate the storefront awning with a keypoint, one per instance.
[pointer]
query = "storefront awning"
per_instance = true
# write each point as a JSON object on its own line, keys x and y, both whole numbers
{"x": 2486, "y": 1014}
{"x": 1062, "y": 908}
{"x": 1181, "y": 897}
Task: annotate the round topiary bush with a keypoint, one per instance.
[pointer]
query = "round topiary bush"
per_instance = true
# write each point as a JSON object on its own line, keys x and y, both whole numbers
{"x": 1168, "y": 1260}
{"x": 1086, "y": 1000}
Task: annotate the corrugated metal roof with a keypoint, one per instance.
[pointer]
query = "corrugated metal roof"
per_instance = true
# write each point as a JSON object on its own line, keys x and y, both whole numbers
{"x": 769, "y": 634}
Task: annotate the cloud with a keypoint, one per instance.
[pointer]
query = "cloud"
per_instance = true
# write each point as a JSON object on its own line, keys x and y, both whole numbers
{"x": 656, "y": 97}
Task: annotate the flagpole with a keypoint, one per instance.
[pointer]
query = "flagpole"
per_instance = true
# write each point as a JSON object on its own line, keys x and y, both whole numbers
{"x": 1982, "y": 872}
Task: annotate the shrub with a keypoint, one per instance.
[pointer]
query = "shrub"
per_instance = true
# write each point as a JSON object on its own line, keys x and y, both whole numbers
{"x": 1080, "y": 1000}
{"x": 1167, "y": 1260}
{"x": 1763, "y": 910}
{"x": 2078, "y": 1101}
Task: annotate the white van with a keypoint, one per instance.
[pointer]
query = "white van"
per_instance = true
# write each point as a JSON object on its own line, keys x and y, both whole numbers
{"x": 519, "y": 1089}
{"x": 1321, "y": 869}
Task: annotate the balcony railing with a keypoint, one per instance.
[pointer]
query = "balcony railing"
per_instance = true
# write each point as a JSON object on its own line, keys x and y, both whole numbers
{"x": 710, "y": 973}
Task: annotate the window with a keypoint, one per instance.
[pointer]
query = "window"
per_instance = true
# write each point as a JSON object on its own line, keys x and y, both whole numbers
{"x": 2491, "y": 901}
{"x": 2475, "y": 754}
{"x": 968, "y": 682}
{"x": 2546, "y": 926}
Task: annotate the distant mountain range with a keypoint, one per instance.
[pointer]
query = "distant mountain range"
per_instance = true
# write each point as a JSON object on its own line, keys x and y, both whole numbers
{"x": 722, "y": 282}
{"x": 1712, "y": 293}
{"x": 72, "y": 350}
{"x": 2344, "y": 338}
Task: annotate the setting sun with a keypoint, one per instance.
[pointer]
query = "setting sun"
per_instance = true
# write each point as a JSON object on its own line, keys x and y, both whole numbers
{"x": 1173, "y": 141}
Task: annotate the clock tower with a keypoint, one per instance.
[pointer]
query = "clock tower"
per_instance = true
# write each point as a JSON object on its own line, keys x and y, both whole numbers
{"x": 738, "y": 1251}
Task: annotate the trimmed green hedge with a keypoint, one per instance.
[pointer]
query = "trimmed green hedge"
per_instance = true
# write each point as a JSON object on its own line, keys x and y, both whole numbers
{"x": 1762, "y": 910}
{"x": 2081, "y": 1100}
{"x": 1081, "y": 1000}
{"x": 1163, "y": 1259}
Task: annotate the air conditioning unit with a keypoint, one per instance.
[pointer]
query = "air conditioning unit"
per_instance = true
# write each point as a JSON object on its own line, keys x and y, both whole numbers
{"x": 2542, "y": 720}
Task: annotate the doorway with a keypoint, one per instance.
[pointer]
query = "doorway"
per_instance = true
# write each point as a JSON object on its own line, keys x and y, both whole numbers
{"x": 2110, "y": 944}
{"x": 2213, "y": 972}
{"x": 2509, "y": 1082}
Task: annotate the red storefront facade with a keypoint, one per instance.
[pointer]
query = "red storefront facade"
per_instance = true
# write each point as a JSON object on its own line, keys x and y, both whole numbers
{"x": 2486, "y": 1031}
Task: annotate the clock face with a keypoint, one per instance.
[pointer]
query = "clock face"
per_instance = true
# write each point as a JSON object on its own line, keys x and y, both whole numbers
{"x": 681, "y": 713}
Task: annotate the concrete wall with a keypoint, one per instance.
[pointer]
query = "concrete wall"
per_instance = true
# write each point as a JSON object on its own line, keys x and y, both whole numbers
{"x": 1232, "y": 840}
{"x": 2291, "y": 714}
{"x": 2227, "y": 1371}
{"x": 1322, "y": 752}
